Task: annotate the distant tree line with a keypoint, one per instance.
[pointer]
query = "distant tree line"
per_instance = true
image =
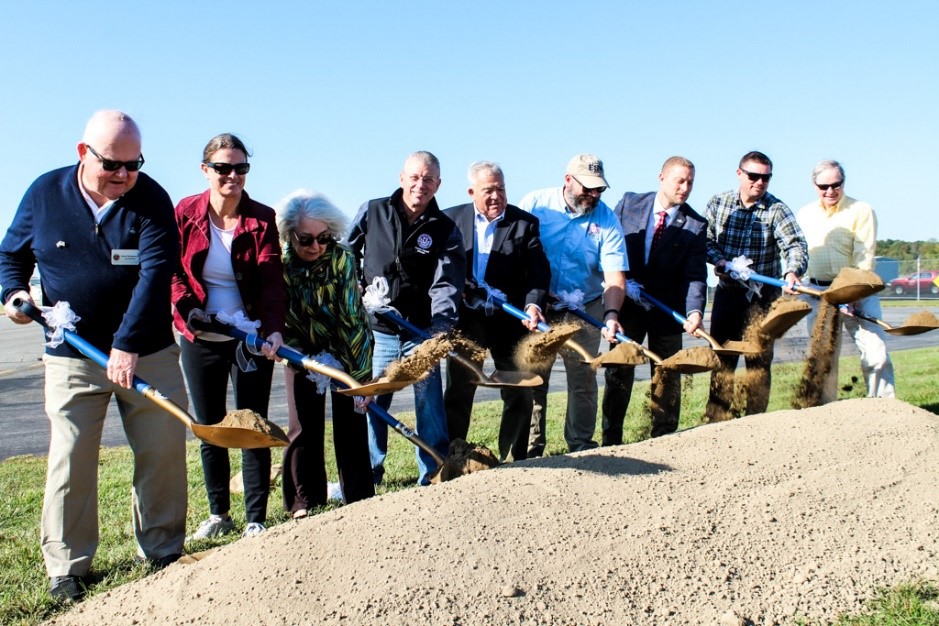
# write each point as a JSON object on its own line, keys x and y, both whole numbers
{"x": 897, "y": 249}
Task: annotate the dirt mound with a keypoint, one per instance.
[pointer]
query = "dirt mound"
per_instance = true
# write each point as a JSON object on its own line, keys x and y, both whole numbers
{"x": 922, "y": 318}
{"x": 465, "y": 458}
{"x": 792, "y": 513}
{"x": 424, "y": 358}
{"x": 537, "y": 351}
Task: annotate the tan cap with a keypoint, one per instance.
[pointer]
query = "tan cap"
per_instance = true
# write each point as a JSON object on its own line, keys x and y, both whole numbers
{"x": 588, "y": 170}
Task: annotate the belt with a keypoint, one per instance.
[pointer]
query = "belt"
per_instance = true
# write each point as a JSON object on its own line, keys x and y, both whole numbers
{"x": 820, "y": 283}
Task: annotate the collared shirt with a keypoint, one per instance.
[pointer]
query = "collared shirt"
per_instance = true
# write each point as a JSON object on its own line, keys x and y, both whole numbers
{"x": 653, "y": 220}
{"x": 767, "y": 232}
{"x": 97, "y": 211}
{"x": 485, "y": 231}
{"x": 579, "y": 247}
{"x": 842, "y": 236}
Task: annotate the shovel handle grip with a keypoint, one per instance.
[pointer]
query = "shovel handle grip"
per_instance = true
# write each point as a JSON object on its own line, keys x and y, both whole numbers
{"x": 520, "y": 314}
{"x": 681, "y": 319}
{"x": 89, "y": 351}
{"x": 403, "y": 324}
{"x": 776, "y": 282}
{"x": 288, "y": 354}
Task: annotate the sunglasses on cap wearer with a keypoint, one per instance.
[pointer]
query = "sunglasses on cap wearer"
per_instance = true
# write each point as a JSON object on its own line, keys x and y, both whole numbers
{"x": 306, "y": 240}
{"x": 110, "y": 165}
{"x": 224, "y": 169}
{"x": 830, "y": 185}
{"x": 753, "y": 176}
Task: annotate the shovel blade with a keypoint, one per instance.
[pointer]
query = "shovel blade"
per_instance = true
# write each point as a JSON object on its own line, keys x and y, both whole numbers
{"x": 377, "y": 387}
{"x": 776, "y": 323}
{"x": 849, "y": 293}
{"x": 909, "y": 330}
{"x": 504, "y": 378}
{"x": 234, "y": 437}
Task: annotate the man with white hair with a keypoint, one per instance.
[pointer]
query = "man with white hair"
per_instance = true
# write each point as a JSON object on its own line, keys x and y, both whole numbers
{"x": 504, "y": 253}
{"x": 842, "y": 232}
{"x": 103, "y": 236}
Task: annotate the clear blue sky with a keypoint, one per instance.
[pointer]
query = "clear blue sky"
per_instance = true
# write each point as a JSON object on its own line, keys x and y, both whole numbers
{"x": 332, "y": 96}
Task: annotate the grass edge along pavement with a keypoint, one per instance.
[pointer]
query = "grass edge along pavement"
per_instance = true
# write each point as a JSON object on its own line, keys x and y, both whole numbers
{"x": 24, "y": 599}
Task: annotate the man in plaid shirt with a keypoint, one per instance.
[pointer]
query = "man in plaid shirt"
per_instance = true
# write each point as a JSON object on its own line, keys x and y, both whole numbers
{"x": 753, "y": 223}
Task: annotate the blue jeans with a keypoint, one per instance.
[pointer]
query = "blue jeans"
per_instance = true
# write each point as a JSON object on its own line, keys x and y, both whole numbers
{"x": 431, "y": 420}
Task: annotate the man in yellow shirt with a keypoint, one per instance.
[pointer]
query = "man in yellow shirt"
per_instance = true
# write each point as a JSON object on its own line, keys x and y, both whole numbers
{"x": 842, "y": 232}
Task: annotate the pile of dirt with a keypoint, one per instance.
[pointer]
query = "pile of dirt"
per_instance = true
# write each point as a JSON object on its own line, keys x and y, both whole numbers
{"x": 465, "y": 458}
{"x": 765, "y": 518}
{"x": 620, "y": 354}
{"x": 424, "y": 358}
{"x": 922, "y": 318}
{"x": 249, "y": 420}
{"x": 821, "y": 357}
{"x": 691, "y": 360}
{"x": 537, "y": 351}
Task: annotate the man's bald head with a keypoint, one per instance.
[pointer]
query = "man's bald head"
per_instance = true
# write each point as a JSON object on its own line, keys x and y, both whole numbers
{"x": 109, "y": 136}
{"x": 104, "y": 126}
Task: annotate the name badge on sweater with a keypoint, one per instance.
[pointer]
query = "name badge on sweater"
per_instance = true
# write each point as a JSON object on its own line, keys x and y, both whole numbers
{"x": 125, "y": 257}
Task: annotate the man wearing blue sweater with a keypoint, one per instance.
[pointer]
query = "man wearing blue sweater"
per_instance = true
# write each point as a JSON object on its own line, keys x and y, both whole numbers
{"x": 105, "y": 241}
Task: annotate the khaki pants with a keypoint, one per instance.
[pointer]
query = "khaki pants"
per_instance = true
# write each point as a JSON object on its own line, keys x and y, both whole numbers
{"x": 77, "y": 396}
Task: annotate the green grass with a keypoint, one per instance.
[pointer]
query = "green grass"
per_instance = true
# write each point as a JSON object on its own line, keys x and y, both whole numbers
{"x": 23, "y": 584}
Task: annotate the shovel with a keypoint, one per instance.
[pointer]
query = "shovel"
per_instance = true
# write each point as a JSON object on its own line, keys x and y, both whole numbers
{"x": 847, "y": 286}
{"x": 542, "y": 327}
{"x": 351, "y": 387}
{"x": 217, "y": 435}
{"x": 499, "y": 378}
{"x": 346, "y": 384}
{"x": 907, "y": 328}
{"x": 739, "y": 347}
{"x": 682, "y": 361}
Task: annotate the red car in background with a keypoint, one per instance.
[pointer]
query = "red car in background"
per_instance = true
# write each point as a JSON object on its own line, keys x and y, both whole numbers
{"x": 908, "y": 284}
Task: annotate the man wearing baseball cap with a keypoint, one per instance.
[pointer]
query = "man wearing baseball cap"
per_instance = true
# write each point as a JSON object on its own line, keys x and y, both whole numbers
{"x": 585, "y": 247}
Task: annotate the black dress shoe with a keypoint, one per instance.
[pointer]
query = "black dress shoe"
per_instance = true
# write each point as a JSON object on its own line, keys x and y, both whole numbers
{"x": 66, "y": 589}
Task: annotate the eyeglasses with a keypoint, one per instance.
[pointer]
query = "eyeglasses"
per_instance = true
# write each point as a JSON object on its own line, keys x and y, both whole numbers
{"x": 306, "y": 240}
{"x": 830, "y": 185}
{"x": 224, "y": 169}
{"x": 430, "y": 180}
{"x": 110, "y": 165}
{"x": 590, "y": 190}
{"x": 753, "y": 176}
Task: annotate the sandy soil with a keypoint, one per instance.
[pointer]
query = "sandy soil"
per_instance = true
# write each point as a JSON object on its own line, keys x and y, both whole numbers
{"x": 755, "y": 520}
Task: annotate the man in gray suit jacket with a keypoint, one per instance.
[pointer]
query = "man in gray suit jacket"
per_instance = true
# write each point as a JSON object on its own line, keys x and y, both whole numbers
{"x": 667, "y": 250}
{"x": 503, "y": 250}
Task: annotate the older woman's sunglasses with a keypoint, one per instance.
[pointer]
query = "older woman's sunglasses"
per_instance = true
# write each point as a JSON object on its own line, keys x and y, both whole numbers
{"x": 224, "y": 169}
{"x": 306, "y": 240}
{"x": 110, "y": 165}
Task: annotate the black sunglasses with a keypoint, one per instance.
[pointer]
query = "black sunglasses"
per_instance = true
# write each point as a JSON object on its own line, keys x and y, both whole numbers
{"x": 830, "y": 186}
{"x": 110, "y": 165}
{"x": 753, "y": 176}
{"x": 305, "y": 240}
{"x": 224, "y": 169}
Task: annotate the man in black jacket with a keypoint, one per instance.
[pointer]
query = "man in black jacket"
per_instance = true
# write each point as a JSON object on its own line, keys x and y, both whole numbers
{"x": 667, "y": 250}
{"x": 503, "y": 250}
{"x": 407, "y": 239}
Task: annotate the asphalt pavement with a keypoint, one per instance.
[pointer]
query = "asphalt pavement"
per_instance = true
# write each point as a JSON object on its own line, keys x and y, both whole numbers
{"x": 25, "y": 429}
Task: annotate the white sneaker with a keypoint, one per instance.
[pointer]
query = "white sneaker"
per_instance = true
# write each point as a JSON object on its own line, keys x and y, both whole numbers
{"x": 215, "y": 526}
{"x": 254, "y": 529}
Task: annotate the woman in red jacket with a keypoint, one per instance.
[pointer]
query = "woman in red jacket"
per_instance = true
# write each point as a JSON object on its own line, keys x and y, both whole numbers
{"x": 230, "y": 266}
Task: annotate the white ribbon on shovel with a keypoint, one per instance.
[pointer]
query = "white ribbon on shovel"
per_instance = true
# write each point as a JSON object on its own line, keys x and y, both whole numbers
{"x": 60, "y": 318}
{"x": 739, "y": 270}
{"x": 492, "y": 294}
{"x": 573, "y": 300}
{"x": 248, "y": 326}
